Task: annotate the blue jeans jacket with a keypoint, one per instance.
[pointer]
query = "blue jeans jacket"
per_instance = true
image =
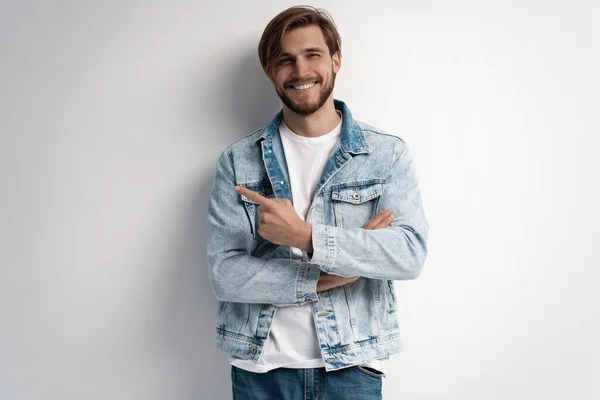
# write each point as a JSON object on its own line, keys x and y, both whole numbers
{"x": 368, "y": 171}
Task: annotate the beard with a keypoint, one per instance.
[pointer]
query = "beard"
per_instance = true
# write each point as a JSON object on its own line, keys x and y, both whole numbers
{"x": 308, "y": 108}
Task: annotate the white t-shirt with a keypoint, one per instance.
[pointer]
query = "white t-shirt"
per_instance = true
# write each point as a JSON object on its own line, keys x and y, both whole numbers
{"x": 292, "y": 340}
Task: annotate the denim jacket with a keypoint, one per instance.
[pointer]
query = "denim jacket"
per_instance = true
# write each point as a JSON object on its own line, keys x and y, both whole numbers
{"x": 368, "y": 171}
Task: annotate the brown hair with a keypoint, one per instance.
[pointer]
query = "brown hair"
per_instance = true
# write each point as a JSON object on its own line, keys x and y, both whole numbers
{"x": 269, "y": 47}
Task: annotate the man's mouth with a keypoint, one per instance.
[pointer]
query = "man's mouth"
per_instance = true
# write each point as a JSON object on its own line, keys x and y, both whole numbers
{"x": 304, "y": 86}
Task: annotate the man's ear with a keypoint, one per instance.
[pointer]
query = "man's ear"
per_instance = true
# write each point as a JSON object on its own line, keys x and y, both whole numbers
{"x": 336, "y": 59}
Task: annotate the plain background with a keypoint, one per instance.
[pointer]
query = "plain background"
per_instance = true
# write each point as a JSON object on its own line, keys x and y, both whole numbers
{"x": 113, "y": 114}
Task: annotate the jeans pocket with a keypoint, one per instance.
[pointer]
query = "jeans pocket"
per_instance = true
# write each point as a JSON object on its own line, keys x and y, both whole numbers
{"x": 370, "y": 371}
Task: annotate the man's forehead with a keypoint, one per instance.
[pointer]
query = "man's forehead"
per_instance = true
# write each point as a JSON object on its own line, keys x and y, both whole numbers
{"x": 298, "y": 40}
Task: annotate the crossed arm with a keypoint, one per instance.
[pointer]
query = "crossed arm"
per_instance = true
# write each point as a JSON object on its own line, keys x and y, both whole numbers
{"x": 396, "y": 252}
{"x": 327, "y": 281}
{"x": 279, "y": 224}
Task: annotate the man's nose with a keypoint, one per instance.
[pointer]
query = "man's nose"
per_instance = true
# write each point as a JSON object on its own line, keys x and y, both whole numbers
{"x": 301, "y": 67}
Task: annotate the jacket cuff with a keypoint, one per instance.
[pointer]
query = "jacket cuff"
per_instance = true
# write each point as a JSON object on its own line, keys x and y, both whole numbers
{"x": 306, "y": 284}
{"x": 324, "y": 247}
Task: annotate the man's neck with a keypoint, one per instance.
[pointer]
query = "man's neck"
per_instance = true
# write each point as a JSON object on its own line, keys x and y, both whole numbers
{"x": 316, "y": 124}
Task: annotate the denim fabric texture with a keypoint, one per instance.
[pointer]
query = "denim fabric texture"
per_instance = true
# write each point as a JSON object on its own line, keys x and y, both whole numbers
{"x": 354, "y": 383}
{"x": 368, "y": 171}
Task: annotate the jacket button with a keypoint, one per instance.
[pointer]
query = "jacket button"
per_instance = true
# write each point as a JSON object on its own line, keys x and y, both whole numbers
{"x": 356, "y": 196}
{"x": 265, "y": 306}
{"x": 253, "y": 350}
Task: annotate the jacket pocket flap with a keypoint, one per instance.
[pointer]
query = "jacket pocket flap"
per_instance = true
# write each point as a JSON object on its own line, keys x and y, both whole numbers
{"x": 357, "y": 194}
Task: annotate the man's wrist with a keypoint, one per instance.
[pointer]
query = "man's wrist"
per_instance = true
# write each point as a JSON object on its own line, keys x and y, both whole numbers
{"x": 305, "y": 238}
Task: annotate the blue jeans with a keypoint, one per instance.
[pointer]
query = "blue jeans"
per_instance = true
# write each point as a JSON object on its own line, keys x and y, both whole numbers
{"x": 354, "y": 383}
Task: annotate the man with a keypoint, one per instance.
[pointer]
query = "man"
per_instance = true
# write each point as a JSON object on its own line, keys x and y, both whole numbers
{"x": 311, "y": 218}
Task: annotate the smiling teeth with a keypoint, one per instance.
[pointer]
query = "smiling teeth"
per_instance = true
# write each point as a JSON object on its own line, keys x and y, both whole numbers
{"x": 303, "y": 87}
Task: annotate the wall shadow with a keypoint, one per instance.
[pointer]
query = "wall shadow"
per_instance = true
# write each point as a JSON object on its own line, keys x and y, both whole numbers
{"x": 245, "y": 100}
{"x": 247, "y": 96}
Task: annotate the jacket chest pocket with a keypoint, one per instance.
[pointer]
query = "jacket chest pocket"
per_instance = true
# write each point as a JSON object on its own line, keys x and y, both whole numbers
{"x": 355, "y": 204}
{"x": 264, "y": 190}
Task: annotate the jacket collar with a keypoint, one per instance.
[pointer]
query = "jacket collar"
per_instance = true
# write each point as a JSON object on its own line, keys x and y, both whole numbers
{"x": 352, "y": 140}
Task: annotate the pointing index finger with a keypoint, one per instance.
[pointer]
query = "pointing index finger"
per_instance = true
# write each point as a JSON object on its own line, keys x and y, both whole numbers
{"x": 256, "y": 197}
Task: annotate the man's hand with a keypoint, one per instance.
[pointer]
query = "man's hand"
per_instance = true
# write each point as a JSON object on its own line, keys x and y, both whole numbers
{"x": 278, "y": 221}
{"x": 327, "y": 281}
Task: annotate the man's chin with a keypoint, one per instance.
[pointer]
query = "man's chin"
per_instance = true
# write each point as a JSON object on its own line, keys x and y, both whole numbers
{"x": 304, "y": 108}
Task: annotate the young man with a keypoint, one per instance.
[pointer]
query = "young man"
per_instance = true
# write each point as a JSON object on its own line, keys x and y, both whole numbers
{"x": 310, "y": 220}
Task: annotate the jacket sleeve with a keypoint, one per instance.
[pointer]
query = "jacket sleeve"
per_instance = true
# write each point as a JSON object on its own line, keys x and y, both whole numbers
{"x": 236, "y": 275}
{"x": 397, "y": 252}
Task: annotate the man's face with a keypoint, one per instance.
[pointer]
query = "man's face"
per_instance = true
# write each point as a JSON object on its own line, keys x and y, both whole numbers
{"x": 304, "y": 74}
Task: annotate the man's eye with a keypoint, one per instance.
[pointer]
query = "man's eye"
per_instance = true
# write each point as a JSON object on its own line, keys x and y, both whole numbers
{"x": 314, "y": 55}
{"x": 284, "y": 61}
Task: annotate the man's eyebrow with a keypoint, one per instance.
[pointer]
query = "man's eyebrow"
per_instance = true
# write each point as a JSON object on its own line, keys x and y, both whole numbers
{"x": 307, "y": 50}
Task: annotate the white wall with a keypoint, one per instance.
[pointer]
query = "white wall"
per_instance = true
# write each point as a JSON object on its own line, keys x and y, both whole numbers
{"x": 112, "y": 116}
